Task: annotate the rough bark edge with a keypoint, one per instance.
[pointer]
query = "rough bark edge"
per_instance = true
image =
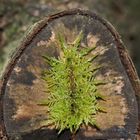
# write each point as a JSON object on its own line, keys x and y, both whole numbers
{"x": 125, "y": 59}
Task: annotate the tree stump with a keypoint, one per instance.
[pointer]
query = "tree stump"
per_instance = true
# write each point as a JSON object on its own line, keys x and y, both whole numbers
{"x": 22, "y": 87}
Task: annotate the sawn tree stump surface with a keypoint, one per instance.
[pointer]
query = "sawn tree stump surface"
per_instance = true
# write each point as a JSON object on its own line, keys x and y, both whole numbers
{"x": 22, "y": 87}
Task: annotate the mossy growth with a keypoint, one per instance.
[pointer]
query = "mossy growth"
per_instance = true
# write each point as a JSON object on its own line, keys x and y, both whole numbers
{"x": 72, "y": 87}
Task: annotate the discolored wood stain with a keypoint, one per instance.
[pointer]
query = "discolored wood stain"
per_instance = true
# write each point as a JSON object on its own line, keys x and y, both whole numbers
{"x": 22, "y": 87}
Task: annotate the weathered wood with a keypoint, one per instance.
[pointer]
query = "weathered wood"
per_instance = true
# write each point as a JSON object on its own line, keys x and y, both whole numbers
{"x": 22, "y": 87}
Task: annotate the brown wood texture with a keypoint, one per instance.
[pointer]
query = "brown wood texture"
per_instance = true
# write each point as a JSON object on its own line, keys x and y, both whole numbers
{"x": 22, "y": 87}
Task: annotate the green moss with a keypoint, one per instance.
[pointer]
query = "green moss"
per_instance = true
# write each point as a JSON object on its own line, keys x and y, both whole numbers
{"x": 71, "y": 85}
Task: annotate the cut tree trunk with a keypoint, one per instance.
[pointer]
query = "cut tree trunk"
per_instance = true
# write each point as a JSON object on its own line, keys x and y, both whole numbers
{"x": 22, "y": 87}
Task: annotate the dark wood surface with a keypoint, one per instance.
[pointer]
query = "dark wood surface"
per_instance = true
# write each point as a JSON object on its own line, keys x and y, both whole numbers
{"x": 22, "y": 87}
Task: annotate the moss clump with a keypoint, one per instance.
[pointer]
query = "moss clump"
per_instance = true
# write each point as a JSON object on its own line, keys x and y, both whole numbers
{"x": 71, "y": 86}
